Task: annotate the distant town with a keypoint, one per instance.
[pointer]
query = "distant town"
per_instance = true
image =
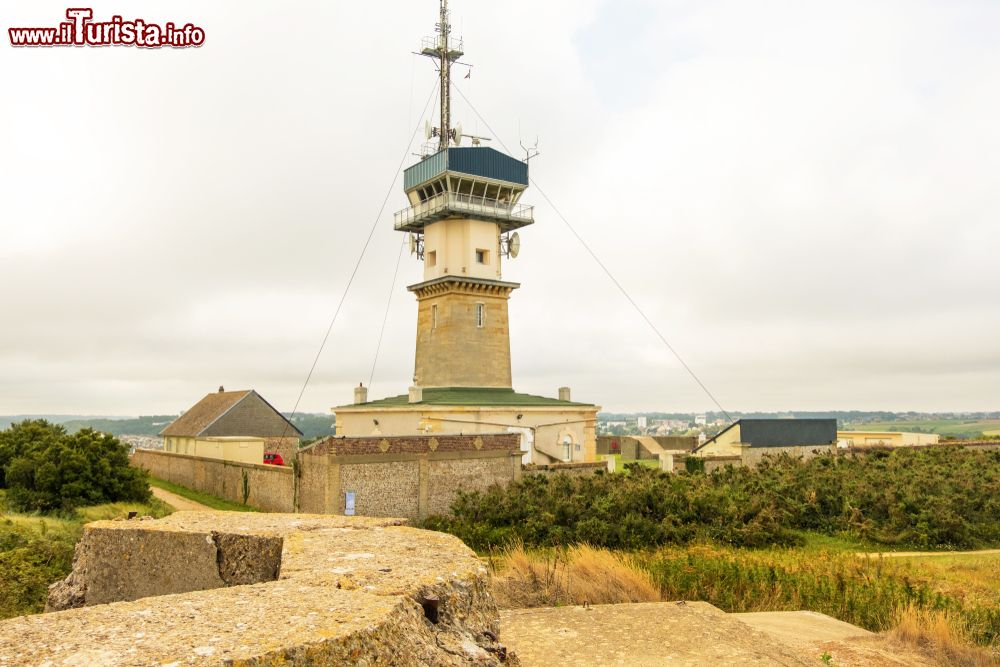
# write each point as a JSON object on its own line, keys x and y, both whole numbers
{"x": 949, "y": 425}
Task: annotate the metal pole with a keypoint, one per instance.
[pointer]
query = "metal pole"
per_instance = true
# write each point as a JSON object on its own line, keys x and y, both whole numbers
{"x": 445, "y": 78}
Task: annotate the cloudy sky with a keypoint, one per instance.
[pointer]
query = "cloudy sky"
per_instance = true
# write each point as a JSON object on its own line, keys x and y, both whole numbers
{"x": 802, "y": 196}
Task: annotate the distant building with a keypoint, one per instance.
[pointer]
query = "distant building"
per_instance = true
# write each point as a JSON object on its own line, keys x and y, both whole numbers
{"x": 635, "y": 447}
{"x": 700, "y": 420}
{"x": 233, "y": 426}
{"x": 886, "y": 438}
{"x": 642, "y": 422}
{"x": 754, "y": 438}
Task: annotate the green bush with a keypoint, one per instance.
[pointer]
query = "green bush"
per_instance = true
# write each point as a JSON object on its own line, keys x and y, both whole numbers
{"x": 30, "y": 560}
{"x": 924, "y": 498}
{"x": 45, "y": 469}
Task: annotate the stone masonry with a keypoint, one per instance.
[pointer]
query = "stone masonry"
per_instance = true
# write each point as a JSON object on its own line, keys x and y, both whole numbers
{"x": 405, "y": 476}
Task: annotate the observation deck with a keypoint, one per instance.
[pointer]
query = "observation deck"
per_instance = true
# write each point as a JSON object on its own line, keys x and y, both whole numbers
{"x": 508, "y": 215}
{"x": 476, "y": 182}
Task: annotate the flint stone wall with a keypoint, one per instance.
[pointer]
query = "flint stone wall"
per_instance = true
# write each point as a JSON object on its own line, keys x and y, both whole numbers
{"x": 572, "y": 469}
{"x": 411, "y": 476}
{"x": 271, "y": 488}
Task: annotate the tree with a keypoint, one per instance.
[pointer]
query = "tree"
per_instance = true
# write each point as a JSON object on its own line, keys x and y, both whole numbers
{"x": 45, "y": 469}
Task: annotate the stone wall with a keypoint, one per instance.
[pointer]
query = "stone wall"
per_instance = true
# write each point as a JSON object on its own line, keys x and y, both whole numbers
{"x": 411, "y": 476}
{"x": 381, "y": 488}
{"x": 571, "y": 469}
{"x": 713, "y": 463}
{"x": 683, "y": 442}
{"x": 446, "y": 477}
{"x": 272, "y": 488}
{"x": 287, "y": 447}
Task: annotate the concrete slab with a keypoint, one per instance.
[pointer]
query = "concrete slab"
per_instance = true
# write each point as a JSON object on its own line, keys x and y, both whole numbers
{"x": 640, "y": 635}
{"x": 797, "y": 626}
{"x": 349, "y": 590}
{"x": 815, "y": 634}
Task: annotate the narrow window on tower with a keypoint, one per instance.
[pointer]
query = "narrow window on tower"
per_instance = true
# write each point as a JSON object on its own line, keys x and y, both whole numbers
{"x": 434, "y": 317}
{"x": 480, "y": 315}
{"x": 482, "y": 256}
{"x": 432, "y": 258}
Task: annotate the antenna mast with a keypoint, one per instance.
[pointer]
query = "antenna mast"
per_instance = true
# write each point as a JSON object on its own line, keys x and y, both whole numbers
{"x": 441, "y": 49}
{"x": 444, "y": 29}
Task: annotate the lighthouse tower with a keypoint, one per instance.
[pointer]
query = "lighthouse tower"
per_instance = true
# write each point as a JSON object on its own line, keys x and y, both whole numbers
{"x": 464, "y": 210}
{"x": 462, "y": 220}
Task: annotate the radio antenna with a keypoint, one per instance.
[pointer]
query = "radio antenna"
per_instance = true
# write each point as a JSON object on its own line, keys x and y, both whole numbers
{"x": 445, "y": 52}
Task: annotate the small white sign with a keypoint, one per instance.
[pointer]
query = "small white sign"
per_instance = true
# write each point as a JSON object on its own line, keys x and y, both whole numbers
{"x": 349, "y": 503}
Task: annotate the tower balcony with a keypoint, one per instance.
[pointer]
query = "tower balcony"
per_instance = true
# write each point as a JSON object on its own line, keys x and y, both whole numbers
{"x": 508, "y": 215}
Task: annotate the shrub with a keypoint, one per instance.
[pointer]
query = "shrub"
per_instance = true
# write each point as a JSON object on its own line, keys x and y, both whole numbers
{"x": 45, "y": 469}
{"x": 926, "y": 498}
{"x": 31, "y": 560}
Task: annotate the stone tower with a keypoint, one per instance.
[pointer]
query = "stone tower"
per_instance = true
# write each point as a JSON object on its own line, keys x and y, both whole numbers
{"x": 464, "y": 210}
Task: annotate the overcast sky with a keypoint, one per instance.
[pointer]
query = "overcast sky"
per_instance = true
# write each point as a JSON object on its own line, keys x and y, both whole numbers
{"x": 803, "y": 197}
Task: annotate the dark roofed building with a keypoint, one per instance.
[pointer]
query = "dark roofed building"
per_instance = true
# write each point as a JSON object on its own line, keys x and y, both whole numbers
{"x": 771, "y": 436}
{"x": 226, "y": 421}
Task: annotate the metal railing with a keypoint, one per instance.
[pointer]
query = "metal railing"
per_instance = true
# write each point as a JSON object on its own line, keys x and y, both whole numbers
{"x": 433, "y": 43}
{"x": 453, "y": 202}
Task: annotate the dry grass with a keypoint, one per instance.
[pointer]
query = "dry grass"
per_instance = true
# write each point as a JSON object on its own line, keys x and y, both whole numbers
{"x": 572, "y": 576}
{"x": 939, "y": 636}
{"x": 971, "y": 578}
{"x": 584, "y": 574}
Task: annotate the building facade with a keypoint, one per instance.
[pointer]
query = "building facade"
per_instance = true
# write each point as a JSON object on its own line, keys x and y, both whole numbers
{"x": 886, "y": 439}
{"x": 752, "y": 439}
{"x": 232, "y": 426}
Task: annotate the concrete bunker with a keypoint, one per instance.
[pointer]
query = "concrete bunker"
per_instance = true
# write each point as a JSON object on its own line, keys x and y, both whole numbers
{"x": 341, "y": 590}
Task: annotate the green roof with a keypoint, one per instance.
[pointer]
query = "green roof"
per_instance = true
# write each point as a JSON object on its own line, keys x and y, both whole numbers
{"x": 490, "y": 396}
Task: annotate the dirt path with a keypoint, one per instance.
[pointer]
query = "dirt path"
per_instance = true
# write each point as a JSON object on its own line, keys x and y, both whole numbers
{"x": 928, "y": 554}
{"x": 178, "y": 502}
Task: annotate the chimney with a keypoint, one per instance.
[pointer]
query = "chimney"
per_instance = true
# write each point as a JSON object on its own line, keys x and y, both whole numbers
{"x": 360, "y": 394}
{"x": 221, "y": 389}
{"x": 564, "y": 393}
{"x": 416, "y": 394}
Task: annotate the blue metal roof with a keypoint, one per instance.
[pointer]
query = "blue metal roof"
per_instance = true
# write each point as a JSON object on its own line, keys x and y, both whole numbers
{"x": 476, "y": 161}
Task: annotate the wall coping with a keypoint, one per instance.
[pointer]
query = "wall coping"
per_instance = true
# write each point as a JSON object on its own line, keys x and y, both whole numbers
{"x": 238, "y": 464}
{"x": 387, "y": 446}
{"x": 564, "y": 466}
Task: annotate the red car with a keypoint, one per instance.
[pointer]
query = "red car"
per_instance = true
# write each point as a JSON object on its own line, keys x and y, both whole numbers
{"x": 273, "y": 458}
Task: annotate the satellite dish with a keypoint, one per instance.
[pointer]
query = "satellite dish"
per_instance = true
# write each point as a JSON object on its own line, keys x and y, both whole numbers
{"x": 458, "y": 134}
{"x": 514, "y": 245}
{"x": 427, "y": 130}
{"x": 413, "y": 244}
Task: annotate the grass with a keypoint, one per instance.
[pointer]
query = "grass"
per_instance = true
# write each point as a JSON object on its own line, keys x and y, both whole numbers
{"x": 945, "y": 607}
{"x": 940, "y": 635}
{"x": 577, "y": 575}
{"x": 199, "y": 497}
{"x": 37, "y": 550}
{"x": 972, "y": 579}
